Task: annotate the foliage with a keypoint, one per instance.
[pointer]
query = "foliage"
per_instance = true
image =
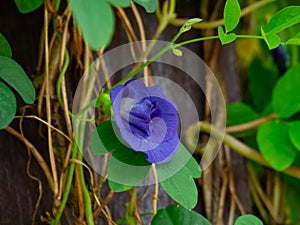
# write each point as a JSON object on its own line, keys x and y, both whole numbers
{"x": 13, "y": 74}
{"x": 269, "y": 118}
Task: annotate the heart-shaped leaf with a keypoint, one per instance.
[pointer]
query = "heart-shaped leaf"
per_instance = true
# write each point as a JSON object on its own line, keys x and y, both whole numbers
{"x": 182, "y": 182}
{"x": 248, "y": 219}
{"x": 284, "y": 19}
{"x": 275, "y": 144}
{"x": 272, "y": 39}
{"x": 95, "y": 20}
{"x": 14, "y": 75}
{"x": 232, "y": 13}
{"x": 178, "y": 215}
{"x": 294, "y": 133}
{"x": 149, "y": 5}
{"x": 7, "y": 105}
{"x": 27, "y": 6}
{"x": 225, "y": 38}
{"x": 285, "y": 96}
{"x": 5, "y": 49}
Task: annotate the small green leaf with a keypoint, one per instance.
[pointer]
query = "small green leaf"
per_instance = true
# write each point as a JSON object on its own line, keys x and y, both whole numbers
{"x": 8, "y": 105}
{"x": 275, "y": 145}
{"x": 105, "y": 138}
{"x": 294, "y": 133}
{"x": 177, "y": 52}
{"x": 294, "y": 40}
{"x": 120, "y": 3}
{"x": 225, "y": 38}
{"x": 178, "y": 215}
{"x": 116, "y": 187}
{"x": 283, "y": 19}
{"x": 14, "y": 75}
{"x": 5, "y": 49}
{"x": 272, "y": 39}
{"x": 95, "y": 20}
{"x": 27, "y": 6}
{"x": 188, "y": 24}
{"x": 285, "y": 96}
{"x": 149, "y": 5}
{"x": 179, "y": 182}
{"x": 248, "y": 219}
{"x": 232, "y": 13}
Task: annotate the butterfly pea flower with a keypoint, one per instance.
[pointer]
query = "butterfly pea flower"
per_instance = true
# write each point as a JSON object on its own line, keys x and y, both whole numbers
{"x": 147, "y": 120}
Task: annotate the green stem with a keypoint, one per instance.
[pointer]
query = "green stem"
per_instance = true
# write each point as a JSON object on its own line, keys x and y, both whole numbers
{"x": 195, "y": 40}
{"x": 249, "y": 36}
{"x": 67, "y": 188}
{"x": 86, "y": 196}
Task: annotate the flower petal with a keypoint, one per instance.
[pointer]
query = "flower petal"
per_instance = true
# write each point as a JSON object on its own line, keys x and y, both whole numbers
{"x": 163, "y": 152}
{"x": 168, "y": 114}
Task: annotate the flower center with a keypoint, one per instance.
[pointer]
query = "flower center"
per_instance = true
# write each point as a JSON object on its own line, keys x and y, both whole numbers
{"x": 139, "y": 115}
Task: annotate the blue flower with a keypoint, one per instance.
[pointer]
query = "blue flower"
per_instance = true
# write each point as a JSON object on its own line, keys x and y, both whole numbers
{"x": 147, "y": 120}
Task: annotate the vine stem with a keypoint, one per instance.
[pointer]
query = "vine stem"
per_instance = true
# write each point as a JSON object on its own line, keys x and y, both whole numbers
{"x": 35, "y": 153}
{"x": 251, "y": 124}
{"x": 214, "y": 24}
{"x": 236, "y": 145}
{"x": 67, "y": 188}
{"x": 48, "y": 107}
{"x": 155, "y": 194}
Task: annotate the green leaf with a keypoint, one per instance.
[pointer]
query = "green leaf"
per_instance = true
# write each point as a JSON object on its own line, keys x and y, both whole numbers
{"x": 248, "y": 219}
{"x": 149, "y": 5}
{"x": 232, "y": 12}
{"x": 95, "y": 20}
{"x": 177, "y": 52}
{"x": 130, "y": 157}
{"x": 294, "y": 133}
{"x": 239, "y": 113}
{"x": 283, "y": 19}
{"x": 294, "y": 40}
{"x": 225, "y": 38}
{"x": 182, "y": 182}
{"x": 178, "y": 215}
{"x": 5, "y": 49}
{"x": 182, "y": 158}
{"x": 120, "y": 3}
{"x": 262, "y": 80}
{"x": 188, "y": 24}
{"x": 179, "y": 185}
{"x": 27, "y": 6}
{"x": 127, "y": 167}
{"x": 7, "y": 105}
{"x": 272, "y": 39}
{"x": 285, "y": 96}
{"x": 14, "y": 75}
{"x": 105, "y": 138}
{"x": 116, "y": 187}
{"x": 275, "y": 145}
